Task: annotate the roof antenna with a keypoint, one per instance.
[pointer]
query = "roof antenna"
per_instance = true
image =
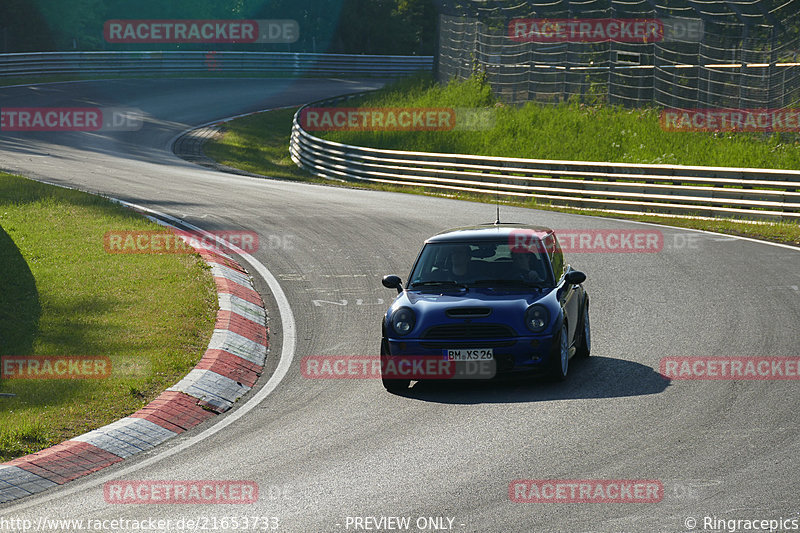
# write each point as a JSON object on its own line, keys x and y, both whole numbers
{"x": 497, "y": 203}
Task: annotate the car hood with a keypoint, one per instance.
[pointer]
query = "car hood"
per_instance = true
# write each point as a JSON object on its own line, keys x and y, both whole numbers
{"x": 505, "y": 306}
{"x": 503, "y": 303}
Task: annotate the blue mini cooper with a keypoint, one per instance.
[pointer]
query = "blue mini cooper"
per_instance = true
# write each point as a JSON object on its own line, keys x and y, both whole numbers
{"x": 496, "y": 294}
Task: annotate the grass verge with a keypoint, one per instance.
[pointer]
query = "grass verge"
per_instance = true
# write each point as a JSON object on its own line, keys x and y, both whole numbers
{"x": 569, "y": 131}
{"x": 260, "y": 144}
{"x": 62, "y": 294}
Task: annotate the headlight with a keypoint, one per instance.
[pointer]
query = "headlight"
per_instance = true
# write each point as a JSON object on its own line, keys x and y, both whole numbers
{"x": 402, "y": 321}
{"x": 537, "y": 318}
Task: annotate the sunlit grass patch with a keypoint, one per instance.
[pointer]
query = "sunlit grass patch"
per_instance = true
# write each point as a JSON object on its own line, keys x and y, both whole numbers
{"x": 63, "y": 294}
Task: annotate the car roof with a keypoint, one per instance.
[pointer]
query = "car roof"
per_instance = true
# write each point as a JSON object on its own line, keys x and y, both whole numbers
{"x": 487, "y": 232}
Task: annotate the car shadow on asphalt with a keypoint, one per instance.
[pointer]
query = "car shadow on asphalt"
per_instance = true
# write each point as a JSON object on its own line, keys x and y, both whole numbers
{"x": 596, "y": 377}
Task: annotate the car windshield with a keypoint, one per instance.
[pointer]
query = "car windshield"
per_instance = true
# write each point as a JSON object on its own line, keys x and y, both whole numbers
{"x": 480, "y": 264}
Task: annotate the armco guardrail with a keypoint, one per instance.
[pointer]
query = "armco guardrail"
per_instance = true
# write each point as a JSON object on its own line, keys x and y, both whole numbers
{"x": 121, "y": 63}
{"x": 761, "y": 194}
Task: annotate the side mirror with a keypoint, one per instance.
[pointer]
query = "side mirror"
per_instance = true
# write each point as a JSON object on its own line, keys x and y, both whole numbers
{"x": 575, "y": 277}
{"x": 392, "y": 282}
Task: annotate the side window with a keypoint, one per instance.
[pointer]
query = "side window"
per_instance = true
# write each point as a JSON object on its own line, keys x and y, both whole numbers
{"x": 557, "y": 257}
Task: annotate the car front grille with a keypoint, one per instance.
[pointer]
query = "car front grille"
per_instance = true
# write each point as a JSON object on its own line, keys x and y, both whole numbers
{"x": 468, "y": 312}
{"x": 468, "y": 331}
{"x": 455, "y": 345}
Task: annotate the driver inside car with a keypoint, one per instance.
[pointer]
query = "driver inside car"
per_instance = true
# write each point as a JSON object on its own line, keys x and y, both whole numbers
{"x": 523, "y": 267}
{"x": 453, "y": 264}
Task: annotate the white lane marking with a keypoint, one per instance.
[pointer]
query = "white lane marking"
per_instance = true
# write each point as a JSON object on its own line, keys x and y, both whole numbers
{"x": 287, "y": 355}
{"x": 778, "y": 244}
{"x": 318, "y": 303}
{"x": 342, "y": 303}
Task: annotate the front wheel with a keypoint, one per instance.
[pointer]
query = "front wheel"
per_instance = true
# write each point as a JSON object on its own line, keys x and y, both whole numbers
{"x": 559, "y": 356}
{"x": 391, "y": 385}
{"x": 585, "y": 346}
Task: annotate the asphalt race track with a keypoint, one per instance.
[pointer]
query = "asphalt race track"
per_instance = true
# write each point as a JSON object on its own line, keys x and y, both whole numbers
{"x": 325, "y": 450}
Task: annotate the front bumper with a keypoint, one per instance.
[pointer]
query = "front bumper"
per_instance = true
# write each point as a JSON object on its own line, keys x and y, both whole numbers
{"x": 528, "y": 354}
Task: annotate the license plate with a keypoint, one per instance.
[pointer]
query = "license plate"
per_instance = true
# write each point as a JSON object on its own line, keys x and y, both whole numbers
{"x": 471, "y": 354}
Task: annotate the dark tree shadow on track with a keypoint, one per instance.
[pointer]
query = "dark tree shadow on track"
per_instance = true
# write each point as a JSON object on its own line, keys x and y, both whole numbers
{"x": 596, "y": 377}
{"x": 19, "y": 300}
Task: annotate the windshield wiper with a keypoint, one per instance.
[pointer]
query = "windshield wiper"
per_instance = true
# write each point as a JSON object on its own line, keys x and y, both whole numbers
{"x": 516, "y": 282}
{"x": 432, "y": 283}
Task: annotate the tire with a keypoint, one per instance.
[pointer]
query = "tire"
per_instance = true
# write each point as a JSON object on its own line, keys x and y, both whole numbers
{"x": 392, "y": 385}
{"x": 585, "y": 345}
{"x": 396, "y": 385}
{"x": 559, "y": 356}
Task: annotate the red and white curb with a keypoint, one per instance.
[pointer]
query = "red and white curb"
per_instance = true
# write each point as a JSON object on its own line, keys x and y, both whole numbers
{"x": 229, "y": 368}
